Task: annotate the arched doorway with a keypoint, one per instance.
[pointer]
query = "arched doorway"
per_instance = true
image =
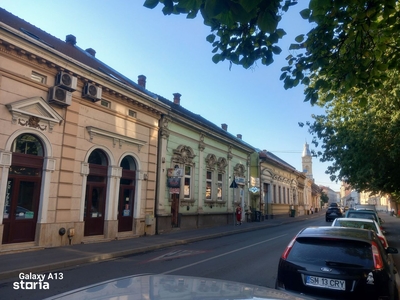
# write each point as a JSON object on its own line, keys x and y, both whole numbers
{"x": 23, "y": 190}
{"x": 96, "y": 191}
{"x": 127, "y": 194}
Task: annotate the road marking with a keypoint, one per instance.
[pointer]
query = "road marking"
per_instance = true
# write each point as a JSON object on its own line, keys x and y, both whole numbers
{"x": 227, "y": 253}
{"x": 177, "y": 253}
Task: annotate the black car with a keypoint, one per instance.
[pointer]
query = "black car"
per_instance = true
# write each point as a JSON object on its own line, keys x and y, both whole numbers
{"x": 333, "y": 212}
{"x": 337, "y": 263}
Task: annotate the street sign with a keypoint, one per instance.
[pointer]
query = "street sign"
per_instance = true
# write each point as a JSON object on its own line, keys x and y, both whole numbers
{"x": 254, "y": 189}
{"x": 233, "y": 185}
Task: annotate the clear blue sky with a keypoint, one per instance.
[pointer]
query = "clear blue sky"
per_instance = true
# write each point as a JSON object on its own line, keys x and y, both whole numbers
{"x": 171, "y": 51}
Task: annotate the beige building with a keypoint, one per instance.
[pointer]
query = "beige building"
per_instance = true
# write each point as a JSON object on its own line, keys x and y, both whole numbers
{"x": 78, "y": 143}
{"x": 283, "y": 188}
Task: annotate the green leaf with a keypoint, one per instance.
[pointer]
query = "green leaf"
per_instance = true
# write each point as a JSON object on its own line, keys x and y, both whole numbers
{"x": 276, "y": 50}
{"x": 216, "y": 58}
{"x": 267, "y": 22}
{"x": 305, "y": 13}
{"x": 210, "y": 38}
{"x": 151, "y": 3}
{"x": 249, "y": 5}
{"x": 299, "y": 38}
{"x": 213, "y": 8}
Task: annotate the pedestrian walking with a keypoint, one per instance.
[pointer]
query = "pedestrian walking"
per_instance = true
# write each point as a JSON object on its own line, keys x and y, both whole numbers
{"x": 238, "y": 215}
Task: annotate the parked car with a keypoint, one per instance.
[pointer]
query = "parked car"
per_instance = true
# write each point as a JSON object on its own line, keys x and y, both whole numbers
{"x": 333, "y": 212}
{"x": 365, "y": 206}
{"x": 362, "y": 224}
{"x": 365, "y": 214}
{"x": 337, "y": 263}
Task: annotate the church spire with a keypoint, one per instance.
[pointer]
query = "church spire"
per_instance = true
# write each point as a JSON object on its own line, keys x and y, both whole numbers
{"x": 306, "y": 159}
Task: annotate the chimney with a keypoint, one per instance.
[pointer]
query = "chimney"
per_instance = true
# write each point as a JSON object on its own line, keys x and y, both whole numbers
{"x": 70, "y": 39}
{"x": 91, "y": 51}
{"x": 224, "y": 127}
{"x": 177, "y": 98}
{"x": 239, "y": 136}
{"x": 142, "y": 81}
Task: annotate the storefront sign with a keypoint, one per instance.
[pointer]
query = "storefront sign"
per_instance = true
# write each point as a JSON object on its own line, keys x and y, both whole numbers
{"x": 174, "y": 182}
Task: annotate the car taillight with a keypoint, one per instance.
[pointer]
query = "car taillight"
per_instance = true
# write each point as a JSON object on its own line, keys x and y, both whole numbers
{"x": 288, "y": 248}
{"x": 378, "y": 263}
{"x": 382, "y": 241}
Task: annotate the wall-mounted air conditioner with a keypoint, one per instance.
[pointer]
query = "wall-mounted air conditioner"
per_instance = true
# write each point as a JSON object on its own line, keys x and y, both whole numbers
{"x": 66, "y": 81}
{"x": 92, "y": 92}
{"x": 59, "y": 96}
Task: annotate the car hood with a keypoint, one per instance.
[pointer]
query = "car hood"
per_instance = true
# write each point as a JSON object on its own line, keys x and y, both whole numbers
{"x": 148, "y": 287}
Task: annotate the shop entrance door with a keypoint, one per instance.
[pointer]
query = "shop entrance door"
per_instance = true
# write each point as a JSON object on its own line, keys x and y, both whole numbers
{"x": 125, "y": 210}
{"x": 95, "y": 208}
{"x": 175, "y": 210}
{"x": 21, "y": 209}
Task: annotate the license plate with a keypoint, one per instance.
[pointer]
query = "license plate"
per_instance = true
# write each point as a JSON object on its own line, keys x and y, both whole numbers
{"x": 328, "y": 283}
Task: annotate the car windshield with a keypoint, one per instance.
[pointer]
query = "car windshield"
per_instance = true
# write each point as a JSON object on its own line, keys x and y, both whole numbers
{"x": 356, "y": 224}
{"x": 323, "y": 251}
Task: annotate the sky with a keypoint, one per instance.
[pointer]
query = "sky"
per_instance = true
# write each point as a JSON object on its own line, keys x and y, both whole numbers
{"x": 172, "y": 52}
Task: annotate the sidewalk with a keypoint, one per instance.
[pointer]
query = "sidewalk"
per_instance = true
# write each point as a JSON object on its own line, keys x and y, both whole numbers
{"x": 48, "y": 259}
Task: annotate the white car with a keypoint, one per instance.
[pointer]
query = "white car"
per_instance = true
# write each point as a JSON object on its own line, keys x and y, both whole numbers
{"x": 363, "y": 224}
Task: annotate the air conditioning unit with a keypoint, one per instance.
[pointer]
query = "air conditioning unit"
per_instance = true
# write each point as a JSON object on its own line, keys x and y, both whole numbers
{"x": 66, "y": 81}
{"x": 60, "y": 96}
{"x": 90, "y": 91}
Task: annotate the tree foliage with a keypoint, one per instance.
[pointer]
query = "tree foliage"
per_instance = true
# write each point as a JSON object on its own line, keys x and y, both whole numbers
{"x": 353, "y": 43}
{"x": 242, "y": 31}
{"x": 348, "y": 62}
{"x": 324, "y": 197}
{"x": 362, "y": 142}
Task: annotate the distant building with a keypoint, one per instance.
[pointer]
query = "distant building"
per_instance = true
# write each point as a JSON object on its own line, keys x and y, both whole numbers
{"x": 332, "y": 195}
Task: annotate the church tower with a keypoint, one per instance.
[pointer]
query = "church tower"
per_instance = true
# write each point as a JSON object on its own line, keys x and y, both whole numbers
{"x": 306, "y": 160}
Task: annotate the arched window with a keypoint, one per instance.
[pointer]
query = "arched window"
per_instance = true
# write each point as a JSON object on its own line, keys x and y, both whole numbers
{"x": 27, "y": 144}
{"x": 98, "y": 157}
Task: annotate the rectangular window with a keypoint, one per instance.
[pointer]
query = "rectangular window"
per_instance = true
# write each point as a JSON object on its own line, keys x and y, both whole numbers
{"x": 38, "y": 77}
{"x": 105, "y": 103}
{"x": 279, "y": 195}
{"x": 209, "y": 185}
{"x": 265, "y": 191}
{"x": 132, "y": 113}
{"x": 274, "y": 190}
{"x": 284, "y": 195}
{"x": 219, "y": 186}
{"x": 186, "y": 188}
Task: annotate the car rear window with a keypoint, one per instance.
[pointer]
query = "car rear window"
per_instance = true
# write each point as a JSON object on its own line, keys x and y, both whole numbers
{"x": 343, "y": 252}
{"x": 356, "y": 224}
{"x": 361, "y": 216}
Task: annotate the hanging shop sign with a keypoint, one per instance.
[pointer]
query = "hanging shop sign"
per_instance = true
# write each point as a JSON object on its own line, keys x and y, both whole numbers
{"x": 174, "y": 182}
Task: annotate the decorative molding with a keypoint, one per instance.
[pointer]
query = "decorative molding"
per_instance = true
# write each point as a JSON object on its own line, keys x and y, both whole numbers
{"x": 5, "y": 158}
{"x": 183, "y": 155}
{"x": 35, "y": 113}
{"x": 202, "y": 145}
{"x": 211, "y": 161}
{"x": 222, "y": 164}
{"x": 187, "y": 202}
{"x": 117, "y": 139}
{"x": 239, "y": 170}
